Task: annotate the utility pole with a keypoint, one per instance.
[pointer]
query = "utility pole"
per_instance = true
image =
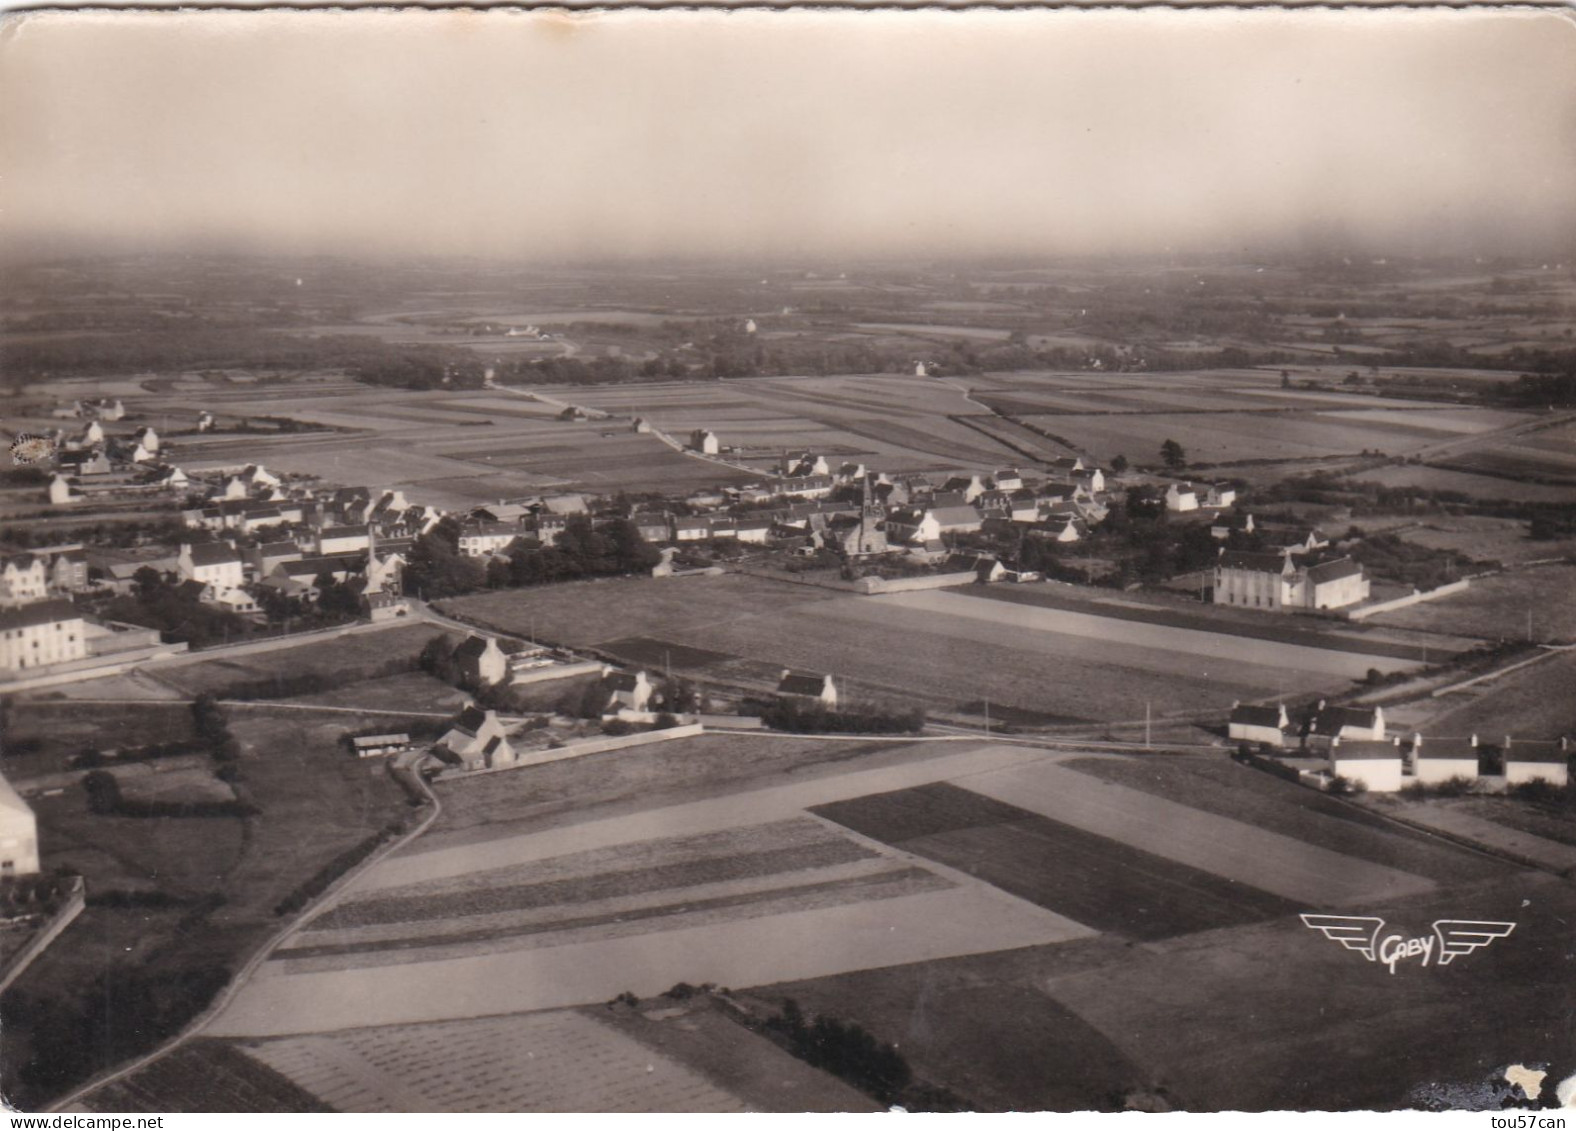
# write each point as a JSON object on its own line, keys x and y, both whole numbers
{"x": 987, "y": 715}
{"x": 1146, "y": 724}
{"x": 1529, "y": 624}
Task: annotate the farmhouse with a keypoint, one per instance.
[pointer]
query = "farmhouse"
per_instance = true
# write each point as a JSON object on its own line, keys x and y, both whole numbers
{"x": 1530, "y": 759}
{"x": 373, "y": 745}
{"x": 18, "y": 834}
{"x": 476, "y": 740}
{"x": 1345, "y": 723}
{"x": 1181, "y": 497}
{"x": 1436, "y": 760}
{"x": 63, "y": 491}
{"x": 481, "y": 661}
{"x": 806, "y": 685}
{"x": 41, "y": 633}
{"x": 1258, "y": 724}
{"x": 1007, "y": 479}
{"x": 627, "y": 690}
{"x": 705, "y": 442}
{"x": 652, "y": 527}
{"x": 1373, "y": 764}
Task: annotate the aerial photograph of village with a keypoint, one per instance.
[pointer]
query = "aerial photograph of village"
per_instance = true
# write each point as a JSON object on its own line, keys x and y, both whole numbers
{"x": 790, "y": 562}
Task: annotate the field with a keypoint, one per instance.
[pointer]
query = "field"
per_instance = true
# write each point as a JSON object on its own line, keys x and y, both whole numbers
{"x": 1477, "y": 486}
{"x": 1479, "y": 536}
{"x": 1499, "y": 607}
{"x": 1534, "y": 703}
{"x": 339, "y": 656}
{"x": 941, "y": 648}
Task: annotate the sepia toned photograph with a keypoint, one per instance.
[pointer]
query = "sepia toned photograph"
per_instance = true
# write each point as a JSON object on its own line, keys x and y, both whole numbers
{"x": 815, "y": 560}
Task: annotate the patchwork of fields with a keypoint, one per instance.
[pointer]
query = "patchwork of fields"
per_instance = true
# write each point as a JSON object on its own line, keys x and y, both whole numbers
{"x": 1026, "y": 868}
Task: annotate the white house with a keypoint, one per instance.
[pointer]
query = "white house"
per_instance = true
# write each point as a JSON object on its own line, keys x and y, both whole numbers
{"x": 705, "y": 442}
{"x": 480, "y": 538}
{"x": 1528, "y": 760}
{"x": 343, "y": 539}
{"x": 144, "y": 454}
{"x": 1278, "y": 582}
{"x": 1181, "y": 497}
{"x": 1347, "y": 724}
{"x": 629, "y": 690}
{"x": 1220, "y": 496}
{"x": 62, "y": 491}
{"x": 215, "y": 564}
{"x": 477, "y": 740}
{"x": 1375, "y": 765}
{"x": 807, "y": 685}
{"x": 1436, "y": 760}
{"x": 147, "y": 439}
{"x": 1258, "y": 724}
{"x": 23, "y": 578}
{"x": 1008, "y": 479}
{"x": 41, "y": 633}
{"x": 18, "y": 834}
{"x": 481, "y": 660}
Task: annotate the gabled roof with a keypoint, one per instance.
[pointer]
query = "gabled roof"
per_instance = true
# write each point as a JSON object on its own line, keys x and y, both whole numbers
{"x": 1365, "y": 750}
{"x": 472, "y": 648}
{"x": 801, "y": 683}
{"x": 471, "y": 720}
{"x": 1252, "y": 561}
{"x": 214, "y": 553}
{"x": 1326, "y": 572}
{"x": 380, "y": 740}
{"x": 39, "y": 612}
{"x": 1332, "y": 719}
{"x": 1535, "y": 750}
{"x": 343, "y": 532}
{"x": 1447, "y": 748}
{"x": 621, "y": 681}
{"x": 949, "y": 516}
{"x": 1250, "y": 715}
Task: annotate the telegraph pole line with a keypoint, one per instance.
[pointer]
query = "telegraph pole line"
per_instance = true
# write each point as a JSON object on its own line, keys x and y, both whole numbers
{"x": 987, "y": 715}
{"x": 1146, "y": 724}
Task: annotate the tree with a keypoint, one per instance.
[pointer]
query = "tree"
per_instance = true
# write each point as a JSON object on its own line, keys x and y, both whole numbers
{"x": 1118, "y": 463}
{"x": 1172, "y": 455}
{"x": 1285, "y": 378}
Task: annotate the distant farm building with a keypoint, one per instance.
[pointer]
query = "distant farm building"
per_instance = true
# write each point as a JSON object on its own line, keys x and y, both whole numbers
{"x": 1258, "y": 724}
{"x": 481, "y": 661}
{"x": 808, "y": 686}
{"x": 1376, "y": 766}
{"x": 476, "y": 741}
{"x": 374, "y": 745}
{"x": 705, "y": 442}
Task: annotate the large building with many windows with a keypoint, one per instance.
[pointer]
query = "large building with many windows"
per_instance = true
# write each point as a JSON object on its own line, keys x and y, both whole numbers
{"x": 40, "y": 634}
{"x": 1282, "y": 583}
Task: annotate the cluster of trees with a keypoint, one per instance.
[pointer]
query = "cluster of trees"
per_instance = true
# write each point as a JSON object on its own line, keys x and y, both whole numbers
{"x": 105, "y": 798}
{"x": 156, "y": 602}
{"x": 850, "y": 1052}
{"x": 1389, "y": 557}
{"x": 585, "y": 548}
{"x": 212, "y": 729}
{"x": 802, "y": 717}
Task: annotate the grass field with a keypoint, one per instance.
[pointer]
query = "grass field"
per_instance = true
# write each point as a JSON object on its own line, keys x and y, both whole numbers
{"x": 1477, "y": 486}
{"x": 331, "y": 655}
{"x": 1498, "y": 608}
{"x": 1534, "y": 703}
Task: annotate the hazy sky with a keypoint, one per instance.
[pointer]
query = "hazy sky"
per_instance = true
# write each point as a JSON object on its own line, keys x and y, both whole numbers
{"x": 788, "y": 133}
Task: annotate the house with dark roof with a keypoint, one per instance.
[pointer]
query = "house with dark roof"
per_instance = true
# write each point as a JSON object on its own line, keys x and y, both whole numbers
{"x": 1279, "y": 582}
{"x": 41, "y": 633}
{"x": 481, "y": 661}
{"x": 1376, "y": 765}
{"x": 962, "y": 520}
{"x": 1258, "y": 724}
{"x": 808, "y": 686}
{"x": 476, "y": 741}
{"x": 1326, "y": 724}
{"x": 1436, "y": 760}
{"x": 217, "y": 565}
{"x": 626, "y": 690}
{"x": 1534, "y": 759}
